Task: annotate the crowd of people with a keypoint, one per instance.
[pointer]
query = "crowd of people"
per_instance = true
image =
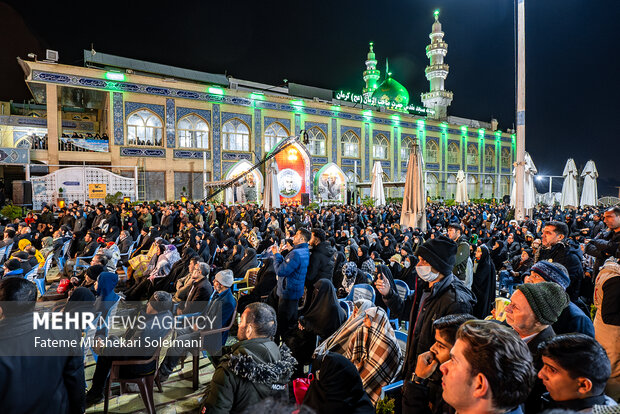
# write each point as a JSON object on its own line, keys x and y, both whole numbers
{"x": 311, "y": 305}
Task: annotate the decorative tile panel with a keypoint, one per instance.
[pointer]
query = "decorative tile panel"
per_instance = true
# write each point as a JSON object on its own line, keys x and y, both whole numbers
{"x": 319, "y": 160}
{"x": 335, "y": 139}
{"x": 432, "y": 166}
{"x": 142, "y": 152}
{"x": 285, "y": 122}
{"x": 367, "y": 150}
{"x": 258, "y": 135}
{"x": 177, "y": 153}
{"x": 297, "y": 124}
{"x": 351, "y": 161}
{"x": 396, "y": 144}
{"x": 135, "y": 106}
{"x": 472, "y": 168}
{"x": 170, "y": 123}
{"x": 320, "y": 125}
{"x": 236, "y": 156}
{"x": 203, "y": 113}
{"x": 226, "y": 116}
{"x": 217, "y": 145}
{"x": 118, "y": 119}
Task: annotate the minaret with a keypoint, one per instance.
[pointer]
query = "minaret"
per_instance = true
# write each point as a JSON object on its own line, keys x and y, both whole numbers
{"x": 436, "y": 72}
{"x": 371, "y": 74}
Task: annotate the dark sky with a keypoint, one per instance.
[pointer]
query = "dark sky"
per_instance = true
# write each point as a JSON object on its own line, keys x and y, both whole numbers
{"x": 573, "y": 55}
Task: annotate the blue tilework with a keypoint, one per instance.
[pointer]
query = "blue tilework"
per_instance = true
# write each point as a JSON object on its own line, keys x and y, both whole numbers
{"x": 283, "y": 121}
{"x": 217, "y": 144}
{"x": 142, "y": 152}
{"x": 177, "y": 153}
{"x": 335, "y": 139}
{"x": 367, "y": 151}
{"x": 135, "y": 106}
{"x": 170, "y": 123}
{"x": 117, "y": 114}
{"x": 297, "y": 124}
{"x": 257, "y": 134}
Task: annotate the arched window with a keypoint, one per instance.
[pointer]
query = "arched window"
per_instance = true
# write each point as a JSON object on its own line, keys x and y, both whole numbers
{"x": 472, "y": 186}
{"x": 317, "y": 141}
{"x": 380, "y": 147}
{"x": 451, "y": 186}
{"x": 432, "y": 152}
{"x": 406, "y": 148}
{"x": 488, "y": 188}
{"x": 144, "y": 128}
{"x": 505, "y": 157}
{"x": 350, "y": 144}
{"x": 504, "y": 186}
{"x": 274, "y": 133}
{"x": 236, "y": 135}
{"x": 351, "y": 176}
{"x": 489, "y": 157}
{"x": 472, "y": 154}
{"x": 432, "y": 185}
{"x": 453, "y": 153}
{"x": 193, "y": 132}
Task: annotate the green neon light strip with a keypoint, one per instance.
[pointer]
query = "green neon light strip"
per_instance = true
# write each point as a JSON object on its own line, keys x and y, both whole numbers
{"x": 258, "y": 96}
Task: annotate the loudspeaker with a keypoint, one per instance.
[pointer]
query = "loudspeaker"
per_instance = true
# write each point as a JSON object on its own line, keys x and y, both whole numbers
{"x": 22, "y": 193}
{"x": 305, "y": 199}
{"x": 506, "y": 199}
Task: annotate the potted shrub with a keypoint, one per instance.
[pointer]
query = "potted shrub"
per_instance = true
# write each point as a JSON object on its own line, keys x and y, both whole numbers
{"x": 61, "y": 198}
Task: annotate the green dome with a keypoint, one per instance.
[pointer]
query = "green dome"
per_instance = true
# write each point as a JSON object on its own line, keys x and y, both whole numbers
{"x": 391, "y": 90}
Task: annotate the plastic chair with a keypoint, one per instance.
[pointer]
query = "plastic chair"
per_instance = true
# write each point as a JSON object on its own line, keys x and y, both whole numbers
{"x": 40, "y": 281}
{"x": 85, "y": 258}
{"x": 404, "y": 292}
{"x": 361, "y": 291}
{"x": 198, "y": 350}
{"x": 31, "y": 274}
{"x": 2, "y": 253}
{"x": 345, "y": 305}
{"x": 7, "y": 253}
{"x": 144, "y": 383}
{"x": 401, "y": 338}
{"x": 249, "y": 280}
{"x": 62, "y": 259}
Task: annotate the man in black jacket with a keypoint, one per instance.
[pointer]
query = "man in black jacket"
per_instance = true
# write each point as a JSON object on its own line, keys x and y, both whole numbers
{"x": 321, "y": 264}
{"x": 607, "y": 242}
{"x": 439, "y": 293}
{"x": 34, "y": 379}
{"x": 556, "y": 248}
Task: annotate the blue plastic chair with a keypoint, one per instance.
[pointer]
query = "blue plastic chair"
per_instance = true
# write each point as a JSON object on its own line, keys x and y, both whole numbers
{"x": 31, "y": 274}
{"x": 40, "y": 281}
{"x": 345, "y": 305}
{"x": 7, "y": 252}
{"x": 404, "y": 292}
{"x": 401, "y": 338}
{"x": 361, "y": 291}
{"x": 85, "y": 258}
{"x": 62, "y": 259}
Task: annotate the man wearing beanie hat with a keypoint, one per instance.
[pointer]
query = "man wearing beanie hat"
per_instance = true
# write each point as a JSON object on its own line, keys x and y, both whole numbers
{"x": 572, "y": 319}
{"x": 439, "y": 293}
{"x": 533, "y": 308}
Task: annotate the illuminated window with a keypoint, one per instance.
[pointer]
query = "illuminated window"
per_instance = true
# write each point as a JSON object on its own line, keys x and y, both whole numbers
{"x": 489, "y": 157}
{"x": 472, "y": 154}
{"x": 432, "y": 185}
{"x": 453, "y": 153}
{"x": 505, "y": 157}
{"x": 273, "y": 134}
{"x": 193, "y": 132}
{"x": 380, "y": 147}
{"x": 236, "y": 135}
{"x": 432, "y": 152}
{"x": 350, "y": 145}
{"x": 406, "y": 148}
{"x": 144, "y": 128}
{"x": 317, "y": 141}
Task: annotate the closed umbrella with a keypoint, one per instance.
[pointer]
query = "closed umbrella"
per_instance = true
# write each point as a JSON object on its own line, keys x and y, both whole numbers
{"x": 589, "y": 193}
{"x": 413, "y": 213}
{"x": 376, "y": 187}
{"x": 271, "y": 198}
{"x": 569, "y": 188}
{"x": 461, "y": 188}
{"x": 529, "y": 190}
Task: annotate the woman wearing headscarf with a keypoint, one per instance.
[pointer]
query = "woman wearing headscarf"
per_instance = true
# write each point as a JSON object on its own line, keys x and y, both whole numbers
{"x": 483, "y": 285}
{"x": 81, "y": 300}
{"x": 264, "y": 284}
{"x": 106, "y": 297}
{"x": 203, "y": 246}
{"x": 248, "y": 261}
{"x": 322, "y": 318}
{"x": 235, "y": 258}
{"x": 363, "y": 261}
{"x": 139, "y": 264}
{"x": 47, "y": 246}
{"x": 337, "y": 387}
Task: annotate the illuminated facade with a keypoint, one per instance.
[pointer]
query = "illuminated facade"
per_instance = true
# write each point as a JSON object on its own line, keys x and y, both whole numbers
{"x": 169, "y": 126}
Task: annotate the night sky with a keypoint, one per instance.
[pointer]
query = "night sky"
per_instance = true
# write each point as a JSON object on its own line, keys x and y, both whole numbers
{"x": 573, "y": 55}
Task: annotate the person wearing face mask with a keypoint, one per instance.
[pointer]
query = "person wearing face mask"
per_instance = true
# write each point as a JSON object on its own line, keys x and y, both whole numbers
{"x": 438, "y": 293}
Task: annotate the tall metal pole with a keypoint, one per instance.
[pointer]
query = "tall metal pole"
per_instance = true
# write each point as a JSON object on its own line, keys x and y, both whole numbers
{"x": 520, "y": 164}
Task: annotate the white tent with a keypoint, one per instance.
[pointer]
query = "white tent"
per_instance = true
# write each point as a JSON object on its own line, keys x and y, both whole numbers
{"x": 589, "y": 193}
{"x": 414, "y": 200}
{"x": 569, "y": 188}
{"x": 376, "y": 186}
{"x": 271, "y": 198}
{"x": 529, "y": 190}
{"x": 461, "y": 188}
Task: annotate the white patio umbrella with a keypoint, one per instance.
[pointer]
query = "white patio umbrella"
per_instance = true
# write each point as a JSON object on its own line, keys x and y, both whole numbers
{"x": 569, "y": 187}
{"x": 376, "y": 186}
{"x": 461, "y": 188}
{"x": 529, "y": 190}
{"x": 589, "y": 193}
{"x": 413, "y": 212}
{"x": 271, "y": 198}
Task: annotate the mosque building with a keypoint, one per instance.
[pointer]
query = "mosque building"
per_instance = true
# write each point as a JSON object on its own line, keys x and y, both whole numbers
{"x": 159, "y": 133}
